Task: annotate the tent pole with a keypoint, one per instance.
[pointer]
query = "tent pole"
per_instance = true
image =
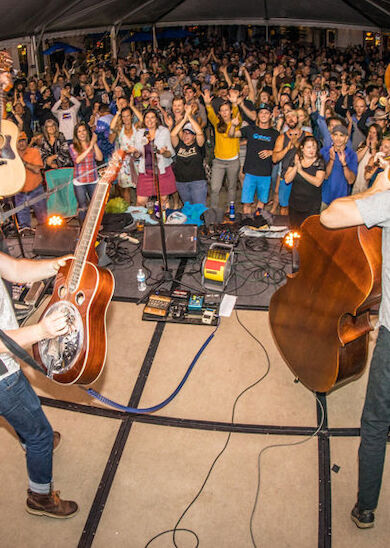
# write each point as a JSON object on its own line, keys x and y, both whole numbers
{"x": 155, "y": 43}
{"x": 34, "y": 54}
{"x": 114, "y": 51}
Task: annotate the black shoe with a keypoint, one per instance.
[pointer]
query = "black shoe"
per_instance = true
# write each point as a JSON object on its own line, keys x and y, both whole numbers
{"x": 364, "y": 519}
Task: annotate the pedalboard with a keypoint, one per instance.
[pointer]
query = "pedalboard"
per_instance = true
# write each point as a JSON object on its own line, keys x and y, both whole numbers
{"x": 182, "y": 306}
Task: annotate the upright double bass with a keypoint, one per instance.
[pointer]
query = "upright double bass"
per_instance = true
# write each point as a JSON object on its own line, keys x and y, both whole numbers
{"x": 320, "y": 318}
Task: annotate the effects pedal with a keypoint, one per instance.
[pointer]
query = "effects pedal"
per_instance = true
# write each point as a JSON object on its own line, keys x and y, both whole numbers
{"x": 157, "y": 305}
{"x": 195, "y": 304}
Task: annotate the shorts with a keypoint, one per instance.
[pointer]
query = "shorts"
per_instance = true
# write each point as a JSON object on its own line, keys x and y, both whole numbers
{"x": 284, "y": 193}
{"x": 259, "y": 184}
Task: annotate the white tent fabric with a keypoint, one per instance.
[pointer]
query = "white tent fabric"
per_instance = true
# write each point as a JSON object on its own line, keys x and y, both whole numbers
{"x": 42, "y": 17}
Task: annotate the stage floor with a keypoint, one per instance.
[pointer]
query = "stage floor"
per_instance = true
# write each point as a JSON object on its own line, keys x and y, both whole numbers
{"x": 134, "y": 476}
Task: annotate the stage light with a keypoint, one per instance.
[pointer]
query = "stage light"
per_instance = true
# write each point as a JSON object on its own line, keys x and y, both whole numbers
{"x": 55, "y": 220}
{"x": 291, "y": 239}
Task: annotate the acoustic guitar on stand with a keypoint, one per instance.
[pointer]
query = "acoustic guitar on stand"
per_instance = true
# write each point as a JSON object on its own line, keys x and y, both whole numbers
{"x": 12, "y": 170}
{"x": 82, "y": 291}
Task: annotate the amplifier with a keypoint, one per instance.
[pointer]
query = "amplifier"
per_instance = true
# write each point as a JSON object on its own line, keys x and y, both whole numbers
{"x": 180, "y": 241}
{"x": 55, "y": 241}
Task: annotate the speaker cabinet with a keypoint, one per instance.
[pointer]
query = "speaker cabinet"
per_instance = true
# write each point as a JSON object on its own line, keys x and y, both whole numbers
{"x": 180, "y": 240}
{"x": 55, "y": 241}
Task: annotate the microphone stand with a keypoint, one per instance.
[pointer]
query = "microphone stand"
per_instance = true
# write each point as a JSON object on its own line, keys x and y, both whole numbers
{"x": 167, "y": 275}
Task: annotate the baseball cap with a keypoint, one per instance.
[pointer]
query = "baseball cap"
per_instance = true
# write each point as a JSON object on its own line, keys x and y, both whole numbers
{"x": 380, "y": 114}
{"x": 188, "y": 127}
{"x": 265, "y": 106}
{"x": 340, "y": 129}
{"x": 22, "y": 136}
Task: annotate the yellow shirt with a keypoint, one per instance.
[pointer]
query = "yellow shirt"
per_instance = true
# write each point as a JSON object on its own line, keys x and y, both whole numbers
{"x": 226, "y": 148}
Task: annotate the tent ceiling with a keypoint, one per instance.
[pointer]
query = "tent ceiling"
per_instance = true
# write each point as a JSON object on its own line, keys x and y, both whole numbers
{"x": 27, "y": 17}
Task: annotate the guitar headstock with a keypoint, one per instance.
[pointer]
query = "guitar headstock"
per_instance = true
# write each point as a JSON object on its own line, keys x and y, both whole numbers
{"x": 112, "y": 170}
{"x": 5, "y": 68}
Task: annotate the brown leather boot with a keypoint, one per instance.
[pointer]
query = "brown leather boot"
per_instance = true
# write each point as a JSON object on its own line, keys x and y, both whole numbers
{"x": 50, "y": 505}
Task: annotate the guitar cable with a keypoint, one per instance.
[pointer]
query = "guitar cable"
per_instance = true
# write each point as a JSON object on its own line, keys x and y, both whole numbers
{"x": 154, "y": 408}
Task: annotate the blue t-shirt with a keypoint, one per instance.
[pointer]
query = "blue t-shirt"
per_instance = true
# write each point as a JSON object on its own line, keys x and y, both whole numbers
{"x": 336, "y": 186}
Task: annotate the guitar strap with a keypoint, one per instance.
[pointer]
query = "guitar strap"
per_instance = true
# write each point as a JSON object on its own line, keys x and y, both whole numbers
{"x": 3, "y": 368}
{"x": 19, "y": 352}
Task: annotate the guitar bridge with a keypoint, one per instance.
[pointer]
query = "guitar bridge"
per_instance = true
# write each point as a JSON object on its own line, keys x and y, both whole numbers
{"x": 2, "y": 162}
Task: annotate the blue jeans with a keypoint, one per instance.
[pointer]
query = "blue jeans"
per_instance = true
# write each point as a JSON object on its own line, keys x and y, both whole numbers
{"x": 21, "y": 407}
{"x": 40, "y": 209}
{"x": 194, "y": 192}
{"x": 375, "y": 424}
{"x": 84, "y": 195}
{"x": 284, "y": 192}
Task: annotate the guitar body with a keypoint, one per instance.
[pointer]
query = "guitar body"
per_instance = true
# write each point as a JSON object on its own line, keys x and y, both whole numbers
{"x": 12, "y": 171}
{"x": 80, "y": 355}
{"x": 320, "y": 317}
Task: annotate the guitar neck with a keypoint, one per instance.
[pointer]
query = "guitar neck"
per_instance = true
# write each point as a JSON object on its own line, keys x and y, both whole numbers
{"x": 85, "y": 249}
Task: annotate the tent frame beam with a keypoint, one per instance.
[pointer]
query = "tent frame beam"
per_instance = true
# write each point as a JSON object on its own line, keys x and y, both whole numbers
{"x": 359, "y": 11}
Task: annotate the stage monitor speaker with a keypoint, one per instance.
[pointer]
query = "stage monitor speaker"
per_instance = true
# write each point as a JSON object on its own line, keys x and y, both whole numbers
{"x": 55, "y": 241}
{"x": 181, "y": 241}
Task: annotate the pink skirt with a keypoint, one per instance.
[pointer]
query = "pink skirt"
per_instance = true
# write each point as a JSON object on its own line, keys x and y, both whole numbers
{"x": 146, "y": 186}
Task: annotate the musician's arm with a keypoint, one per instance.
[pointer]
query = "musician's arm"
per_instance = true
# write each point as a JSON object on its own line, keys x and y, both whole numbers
{"x": 27, "y": 270}
{"x": 341, "y": 213}
{"x": 47, "y": 328}
{"x": 344, "y": 212}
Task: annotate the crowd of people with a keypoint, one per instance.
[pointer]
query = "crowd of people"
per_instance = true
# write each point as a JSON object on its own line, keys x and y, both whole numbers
{"x": 292, "y": 127}
{"x": 301, "y": 130}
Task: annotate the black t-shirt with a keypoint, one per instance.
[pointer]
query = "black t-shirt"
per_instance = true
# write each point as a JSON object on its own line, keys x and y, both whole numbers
{"x": 305, "y": 196}
{"x": 257, "y": 140}
{"x": 189, "y": 162}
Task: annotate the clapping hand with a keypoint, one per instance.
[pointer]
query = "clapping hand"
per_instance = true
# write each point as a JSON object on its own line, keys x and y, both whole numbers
{"x": 188, "y": 110}
{"x": 341, "y": 155}
{"x": 297, "y": 162}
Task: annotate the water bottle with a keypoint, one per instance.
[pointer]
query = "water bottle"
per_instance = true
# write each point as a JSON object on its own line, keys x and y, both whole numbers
{"x": 141, "y": 280}
{"x": 232, "y": 212}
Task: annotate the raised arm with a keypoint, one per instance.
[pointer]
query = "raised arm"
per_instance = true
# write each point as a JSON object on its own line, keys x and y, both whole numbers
{"x": 252, "y": 92}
